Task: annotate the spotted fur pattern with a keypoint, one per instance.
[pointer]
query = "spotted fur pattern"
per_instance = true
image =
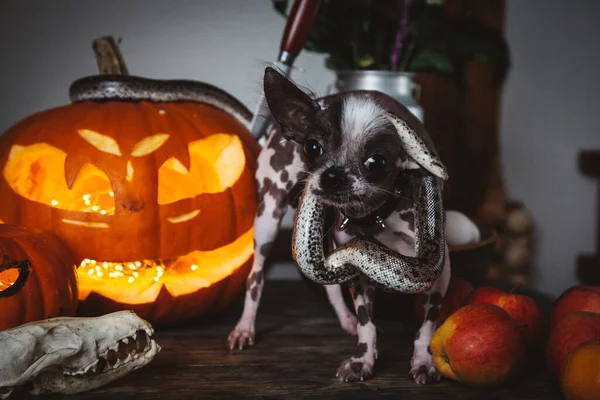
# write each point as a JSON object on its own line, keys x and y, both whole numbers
{"x": 280, "y": 178}
{"x": 360, "y": 366}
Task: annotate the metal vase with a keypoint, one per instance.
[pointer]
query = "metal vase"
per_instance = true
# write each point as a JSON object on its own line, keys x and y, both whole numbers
{"x": 399, "y": 85}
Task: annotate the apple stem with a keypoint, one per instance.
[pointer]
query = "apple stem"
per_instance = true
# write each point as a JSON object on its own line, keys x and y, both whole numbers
{"x": 517, "y": 285}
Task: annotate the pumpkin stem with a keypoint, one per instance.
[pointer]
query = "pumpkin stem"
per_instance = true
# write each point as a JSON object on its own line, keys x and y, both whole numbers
{"x": 24, "y": 267}
{"x": 108, "y": 56}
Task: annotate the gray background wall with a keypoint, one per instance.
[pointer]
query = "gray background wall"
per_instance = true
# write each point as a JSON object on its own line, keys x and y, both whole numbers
{"x": 551, "y": 107}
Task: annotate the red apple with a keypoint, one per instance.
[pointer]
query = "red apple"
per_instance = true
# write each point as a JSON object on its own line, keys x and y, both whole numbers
{"x": 479, "y": 345}
{"x": 573, "y": 329}
{"x": 456, "y": 297}
{"x": 576, "y": 298}
{"x": 523, "y": 309}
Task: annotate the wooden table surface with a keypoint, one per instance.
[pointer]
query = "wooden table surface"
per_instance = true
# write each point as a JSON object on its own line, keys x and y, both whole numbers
{"x": 299, "y": 347}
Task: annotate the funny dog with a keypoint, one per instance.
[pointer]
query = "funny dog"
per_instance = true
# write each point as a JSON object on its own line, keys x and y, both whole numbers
{"x": 361, "y": 163}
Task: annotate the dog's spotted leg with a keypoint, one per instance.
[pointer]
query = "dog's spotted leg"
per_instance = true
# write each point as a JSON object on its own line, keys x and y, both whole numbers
{"x": 359, "y": 367}
{"x": 423, "y": 369}
{"x": 279, "y": 170}
{"x": 347, "y": 319}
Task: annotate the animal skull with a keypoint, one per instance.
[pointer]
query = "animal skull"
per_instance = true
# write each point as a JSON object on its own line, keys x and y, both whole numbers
{"x": 69, "y": 355}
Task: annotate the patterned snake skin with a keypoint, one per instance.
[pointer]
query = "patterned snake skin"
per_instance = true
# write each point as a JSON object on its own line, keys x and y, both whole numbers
{"x": 133, "y": 88}
{"x": 387, "y": 269}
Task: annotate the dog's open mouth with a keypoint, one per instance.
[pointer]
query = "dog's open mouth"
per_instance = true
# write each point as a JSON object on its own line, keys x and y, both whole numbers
{"x": 123, "y": 352}
{"x": 349, "y": 204}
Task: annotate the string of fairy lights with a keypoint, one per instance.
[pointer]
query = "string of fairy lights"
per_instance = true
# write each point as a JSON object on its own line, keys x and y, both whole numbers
{"x": 130, "y": 271}
{"x": 93, "y": 203}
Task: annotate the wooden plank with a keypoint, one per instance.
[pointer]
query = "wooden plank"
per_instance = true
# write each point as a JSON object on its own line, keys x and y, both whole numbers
{"x": 299, "y": 347}
{"x": 477, "y": 136}
{"x": 439, "y": 99}
{"x": 589, "y": 163}
{"x": 588, "y": 266}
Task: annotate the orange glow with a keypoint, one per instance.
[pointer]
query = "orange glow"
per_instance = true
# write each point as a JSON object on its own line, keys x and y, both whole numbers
{"x": 149, "y": 145}
{"x": 36, "y": 172}
{"x": 140, "y": 282}
{"x": 8, "y": 278}
{"x": 103, "y": 143}
{"x": 216, "y": 163}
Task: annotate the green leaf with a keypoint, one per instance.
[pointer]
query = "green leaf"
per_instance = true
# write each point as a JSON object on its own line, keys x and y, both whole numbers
{"x": 430, "y": 60}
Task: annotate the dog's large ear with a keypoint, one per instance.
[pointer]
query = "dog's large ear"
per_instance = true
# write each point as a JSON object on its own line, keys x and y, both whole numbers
{"x": 293, "y": 109}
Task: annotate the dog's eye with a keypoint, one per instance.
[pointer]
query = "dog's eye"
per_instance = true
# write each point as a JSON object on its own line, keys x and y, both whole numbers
{"x": 375, "y": 164}
{"x": 312, "y": 149}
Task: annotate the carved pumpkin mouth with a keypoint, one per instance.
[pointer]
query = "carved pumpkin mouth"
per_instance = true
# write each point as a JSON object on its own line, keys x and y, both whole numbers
{"x": 216, "y": 163}
{"x": 139, "y": 282}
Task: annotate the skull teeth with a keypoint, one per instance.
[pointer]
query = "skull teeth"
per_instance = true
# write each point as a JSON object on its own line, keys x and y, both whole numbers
{"x": 91, "y": 368}
{"x": 124, "y": 351}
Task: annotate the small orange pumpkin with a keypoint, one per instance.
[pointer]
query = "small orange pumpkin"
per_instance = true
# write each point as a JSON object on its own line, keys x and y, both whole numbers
{"x": 37, "y": 277}
{"x": 151, "y": 186}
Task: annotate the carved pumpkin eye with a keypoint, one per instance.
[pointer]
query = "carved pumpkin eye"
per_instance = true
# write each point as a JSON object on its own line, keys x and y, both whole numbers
{"x": 216, "y": 163}
{"x": 37, "y": 277}
{"x": 13, "y": 276}
{"x": 36, "y": 172}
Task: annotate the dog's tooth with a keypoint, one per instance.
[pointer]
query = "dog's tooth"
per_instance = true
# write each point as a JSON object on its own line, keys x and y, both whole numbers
{"x": 126, "y": 340}
{"x": 134, "y": 336}
{"x": 115, "y": 347}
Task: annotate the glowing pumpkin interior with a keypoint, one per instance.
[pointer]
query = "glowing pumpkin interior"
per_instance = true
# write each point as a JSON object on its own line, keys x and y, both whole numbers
{"x": 8, "y": 277}
{"x": 37, "y": 172}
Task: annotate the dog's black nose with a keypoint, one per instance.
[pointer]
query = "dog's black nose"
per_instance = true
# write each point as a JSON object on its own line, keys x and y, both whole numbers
{"x": 333, "y": 178}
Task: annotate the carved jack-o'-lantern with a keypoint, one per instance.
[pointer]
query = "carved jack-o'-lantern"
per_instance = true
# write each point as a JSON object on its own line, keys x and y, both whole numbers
{"x": 37, "y": 277}
{"x": 149, "y": 183}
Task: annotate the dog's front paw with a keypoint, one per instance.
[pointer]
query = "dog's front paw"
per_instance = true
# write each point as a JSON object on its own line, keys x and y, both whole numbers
{"x": 423, "y": 370}
{"x": 242, "y": 334}
{"x": 355, "y": 369}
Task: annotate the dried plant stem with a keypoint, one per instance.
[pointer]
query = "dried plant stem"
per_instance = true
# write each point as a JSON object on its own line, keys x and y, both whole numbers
{"x": 108, "y": 56}
{"x": 407, "y": 56}
{"x": 403, "y": 7}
